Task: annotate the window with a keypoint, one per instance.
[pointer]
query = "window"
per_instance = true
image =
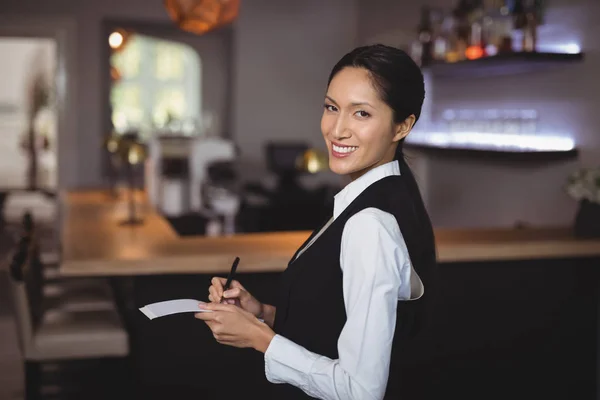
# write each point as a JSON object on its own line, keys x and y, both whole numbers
{"x": 158, "y": 84}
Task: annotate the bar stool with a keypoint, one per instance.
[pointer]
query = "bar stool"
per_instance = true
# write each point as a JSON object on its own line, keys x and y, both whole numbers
{"x": 57, "y": 335}
{"x": 43, "y": 207}
{"x": 60, "y": 293}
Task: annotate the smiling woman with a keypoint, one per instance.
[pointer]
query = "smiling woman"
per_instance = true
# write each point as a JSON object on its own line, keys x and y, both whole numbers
{"x": 353, "y": 296}
{"x": 357, "y": 126}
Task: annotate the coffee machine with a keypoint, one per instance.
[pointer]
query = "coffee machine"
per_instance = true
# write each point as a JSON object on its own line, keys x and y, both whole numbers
{"x": 177, "y": 170}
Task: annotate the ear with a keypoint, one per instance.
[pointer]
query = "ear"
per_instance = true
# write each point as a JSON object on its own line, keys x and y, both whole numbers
{"x": 403, "y": 128}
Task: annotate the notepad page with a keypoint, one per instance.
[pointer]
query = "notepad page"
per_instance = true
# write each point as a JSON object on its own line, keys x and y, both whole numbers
{"x": 169, "y": 307}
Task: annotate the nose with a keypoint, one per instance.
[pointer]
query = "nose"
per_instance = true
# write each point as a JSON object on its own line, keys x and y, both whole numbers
{"x": 340, "y": 129}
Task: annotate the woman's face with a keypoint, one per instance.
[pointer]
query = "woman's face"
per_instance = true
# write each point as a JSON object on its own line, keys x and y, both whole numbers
{"x": 357, "y": 125}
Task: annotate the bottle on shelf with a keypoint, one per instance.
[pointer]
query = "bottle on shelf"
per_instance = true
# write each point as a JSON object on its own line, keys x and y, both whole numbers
{"x": 452, "y": 52}
{"x": 533, "y": 11}
{"x": 441, "y": 30}
{"x": 425, "y": 37}
{"x": 519, "y": 14}
{"x": 462, "y": 27}
{"x": 497, "y": 27}
{"x": 476, "y": 47}
{"x": 525, "y": 20}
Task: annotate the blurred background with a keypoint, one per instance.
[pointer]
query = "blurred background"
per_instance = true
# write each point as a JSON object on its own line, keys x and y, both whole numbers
{"x": 209, "y": 111}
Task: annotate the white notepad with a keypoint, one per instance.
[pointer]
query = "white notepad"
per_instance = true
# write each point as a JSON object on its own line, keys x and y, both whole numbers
{"x": 169, "y": 307}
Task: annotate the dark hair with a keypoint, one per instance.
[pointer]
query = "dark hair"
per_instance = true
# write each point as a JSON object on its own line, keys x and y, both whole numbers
{"x": 396, "y": 77}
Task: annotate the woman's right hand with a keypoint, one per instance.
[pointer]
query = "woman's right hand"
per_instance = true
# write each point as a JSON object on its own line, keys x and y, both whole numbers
{"x": 236, "y": 294}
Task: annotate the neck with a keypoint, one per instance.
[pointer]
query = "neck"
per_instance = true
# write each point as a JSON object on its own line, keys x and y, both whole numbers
{"x": 391, "y": 156}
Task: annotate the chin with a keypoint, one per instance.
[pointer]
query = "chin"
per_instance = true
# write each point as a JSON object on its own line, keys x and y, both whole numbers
{"x": 339, "y": 168}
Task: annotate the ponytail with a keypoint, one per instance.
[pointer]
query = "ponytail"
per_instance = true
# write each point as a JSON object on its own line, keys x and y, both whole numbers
{"x": 412, "y": 186}
{"x": 426, "y": 236}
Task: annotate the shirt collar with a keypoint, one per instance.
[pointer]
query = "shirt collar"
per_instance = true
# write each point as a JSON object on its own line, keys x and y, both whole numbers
{"x": 356, "y": 187}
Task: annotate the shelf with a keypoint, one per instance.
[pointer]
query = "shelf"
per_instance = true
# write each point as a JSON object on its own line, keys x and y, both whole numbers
{"x": 491, "y": 152}
{"x": 502, "y": 64}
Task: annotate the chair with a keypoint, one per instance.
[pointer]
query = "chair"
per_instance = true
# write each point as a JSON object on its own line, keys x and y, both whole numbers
{"x": 59, "y": 293}
{"x": 57, "y": 335}
{"x": 42, "y": 206}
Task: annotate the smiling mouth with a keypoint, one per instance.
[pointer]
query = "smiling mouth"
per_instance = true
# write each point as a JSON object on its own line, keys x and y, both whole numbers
{"x": 343, "y": 149}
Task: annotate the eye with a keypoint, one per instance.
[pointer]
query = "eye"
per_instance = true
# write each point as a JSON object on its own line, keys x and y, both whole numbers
{"x": 330, "y": 107}
{"x": 362, "y": 114}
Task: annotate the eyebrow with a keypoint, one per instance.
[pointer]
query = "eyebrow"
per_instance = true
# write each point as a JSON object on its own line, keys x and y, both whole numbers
{"x": 364, "y": 103}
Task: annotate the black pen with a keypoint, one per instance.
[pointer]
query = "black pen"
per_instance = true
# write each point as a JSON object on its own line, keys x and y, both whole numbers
{"x": 230, "y": 276}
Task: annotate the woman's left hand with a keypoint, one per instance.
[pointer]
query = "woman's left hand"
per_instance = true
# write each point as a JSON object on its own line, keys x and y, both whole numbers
{"x": 233, "y": 326}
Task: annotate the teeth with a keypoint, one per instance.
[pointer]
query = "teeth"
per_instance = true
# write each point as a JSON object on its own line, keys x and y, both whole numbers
{"x": 345, "y": 149}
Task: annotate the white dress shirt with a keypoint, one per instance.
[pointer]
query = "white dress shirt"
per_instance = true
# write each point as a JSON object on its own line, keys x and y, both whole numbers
{"x": 377, "y": 273}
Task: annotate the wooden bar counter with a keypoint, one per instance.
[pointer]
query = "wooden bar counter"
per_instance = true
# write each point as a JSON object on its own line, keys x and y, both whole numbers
{"x": 95, "y": 244}
{"x": 516, "y": 312}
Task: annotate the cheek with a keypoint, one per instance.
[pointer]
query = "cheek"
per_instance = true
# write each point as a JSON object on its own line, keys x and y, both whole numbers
{"x": 327, "y": 124}
{"x": 374, "y": 138}
{"x": 366, "y": 135}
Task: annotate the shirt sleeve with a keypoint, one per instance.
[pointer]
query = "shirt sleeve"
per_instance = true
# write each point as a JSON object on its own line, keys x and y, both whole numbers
{"x": 375, "y": 263}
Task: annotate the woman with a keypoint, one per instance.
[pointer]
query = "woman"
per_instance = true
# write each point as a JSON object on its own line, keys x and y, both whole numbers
{"x": 354, "y": 292}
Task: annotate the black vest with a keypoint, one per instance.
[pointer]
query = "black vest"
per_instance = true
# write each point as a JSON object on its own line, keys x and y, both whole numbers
{"x": 310, "y": 304}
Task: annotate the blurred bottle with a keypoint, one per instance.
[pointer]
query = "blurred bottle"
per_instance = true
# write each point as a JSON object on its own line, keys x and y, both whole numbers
{"x": 452, "y": 52}
{"x": 525, "y": 22}
{"x": 519, "y": 15}
{"x": 425, "y": 35}
{"x": 462, "y": 27}
{"x": 441, "y": 32}
{"x": 476, "y": 47}
{"x": 498, "y": 26}
{"x": 532, "y": 17}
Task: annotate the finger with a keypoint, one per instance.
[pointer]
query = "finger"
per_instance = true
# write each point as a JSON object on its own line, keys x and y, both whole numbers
{"x": 212, "y": 325}
{"x": 206, "y": 316}
{"x": 213, "y": 299}
{"x": 218, "y": 281}
{"x": 218, "y": 307}
{"x": 217, "y": 284}
{"x": 232, "y": 342}
{"x": 223, "y": 336}
{"x": 214, "y": 294}
{"x": 233, "y": 293}
{"x": 218, "y": 331}
{"x": 224, "y": 339}
{"x": 223, "y": 281}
